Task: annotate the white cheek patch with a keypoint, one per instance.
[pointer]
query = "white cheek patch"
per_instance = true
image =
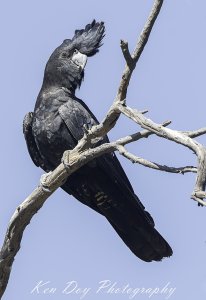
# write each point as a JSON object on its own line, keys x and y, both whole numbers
{"x": 79, "y": 59}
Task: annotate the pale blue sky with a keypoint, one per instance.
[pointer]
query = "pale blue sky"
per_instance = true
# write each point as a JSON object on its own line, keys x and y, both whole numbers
{"x": 66, "y": 240}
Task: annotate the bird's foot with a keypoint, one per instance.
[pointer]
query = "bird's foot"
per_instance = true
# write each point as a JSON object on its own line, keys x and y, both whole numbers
{"x": 86, "y": 129}
{"x": 65, "y": 160}
{"x": 44, "y": 182}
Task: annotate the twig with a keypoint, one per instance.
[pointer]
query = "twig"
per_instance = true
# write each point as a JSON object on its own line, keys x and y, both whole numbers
{"x": 131, "y": 60}
{"x": 195, "y": 133}
{"x": 152, "y": 165}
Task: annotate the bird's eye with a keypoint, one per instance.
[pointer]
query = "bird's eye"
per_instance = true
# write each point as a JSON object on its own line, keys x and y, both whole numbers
{"x": 64, "y": 55}
{"x": 75, "y": 51}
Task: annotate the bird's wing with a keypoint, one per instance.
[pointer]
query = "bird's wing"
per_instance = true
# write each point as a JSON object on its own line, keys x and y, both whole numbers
{"x": 76, "y": 115}
{"x": 31, "y": 144}
{"x": 107, "y": 189}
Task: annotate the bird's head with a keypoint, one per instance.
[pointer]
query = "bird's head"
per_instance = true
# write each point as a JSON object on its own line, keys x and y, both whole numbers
{"x": 65, "y": 66}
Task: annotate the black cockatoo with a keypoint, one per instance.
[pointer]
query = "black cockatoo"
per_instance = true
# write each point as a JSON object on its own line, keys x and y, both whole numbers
{"x": 57, "y": 124}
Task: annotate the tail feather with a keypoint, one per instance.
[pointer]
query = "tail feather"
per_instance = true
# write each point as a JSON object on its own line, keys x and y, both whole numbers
{"x": 123, "y": 209}
{"x": 146, "y": 244}
{"x": 135, "y": 226}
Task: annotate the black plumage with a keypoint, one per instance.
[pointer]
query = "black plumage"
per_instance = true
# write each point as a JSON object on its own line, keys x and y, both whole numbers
{"x": 58, "y": 123}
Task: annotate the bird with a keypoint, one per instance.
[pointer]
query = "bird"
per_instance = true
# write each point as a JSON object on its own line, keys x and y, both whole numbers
{"x": 58, "y": 122}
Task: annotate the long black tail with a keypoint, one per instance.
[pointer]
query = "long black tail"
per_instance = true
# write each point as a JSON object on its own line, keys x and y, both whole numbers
{"x": 123, "y": 210}
{"x": 144, "y": 241}
{"x": 133, "y": 224}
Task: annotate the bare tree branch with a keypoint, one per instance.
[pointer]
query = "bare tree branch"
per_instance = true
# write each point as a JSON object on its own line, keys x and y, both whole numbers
{"x": 152, "y": 165}
{"x": 195, "y": 133}
{"x": 131, "y": 60}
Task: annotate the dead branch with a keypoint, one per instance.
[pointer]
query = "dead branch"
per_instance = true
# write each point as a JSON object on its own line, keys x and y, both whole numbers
{"x": 152, "y": 165}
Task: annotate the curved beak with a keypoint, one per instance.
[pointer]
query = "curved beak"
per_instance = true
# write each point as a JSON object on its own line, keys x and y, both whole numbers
{"x": 79, "y": 59}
